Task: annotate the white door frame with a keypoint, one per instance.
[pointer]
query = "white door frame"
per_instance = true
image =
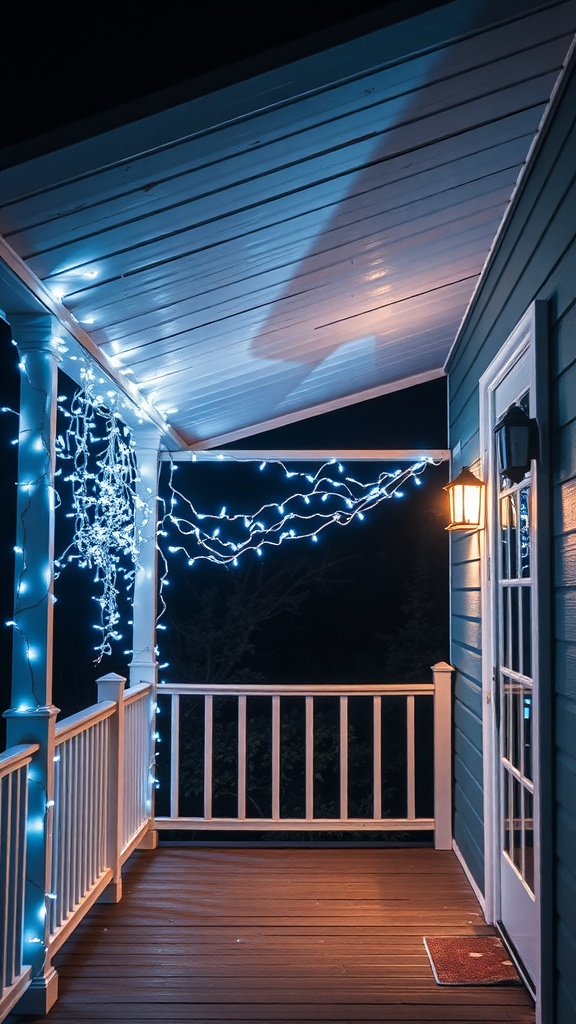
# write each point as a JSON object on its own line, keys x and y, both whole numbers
{"x": 528, "y": 336}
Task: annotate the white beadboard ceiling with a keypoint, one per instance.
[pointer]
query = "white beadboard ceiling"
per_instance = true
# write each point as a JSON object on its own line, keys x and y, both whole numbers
{"x": 300, "y": 240}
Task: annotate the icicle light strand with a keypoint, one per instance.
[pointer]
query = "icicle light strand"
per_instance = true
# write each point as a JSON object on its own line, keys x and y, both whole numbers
{"x": 104, "y": 500}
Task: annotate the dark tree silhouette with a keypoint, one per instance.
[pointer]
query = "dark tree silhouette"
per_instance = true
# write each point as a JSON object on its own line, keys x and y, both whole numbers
{"x": 214, "y": 623}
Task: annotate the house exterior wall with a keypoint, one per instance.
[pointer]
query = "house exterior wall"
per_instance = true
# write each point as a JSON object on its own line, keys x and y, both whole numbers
{"x": 534, "y": 258}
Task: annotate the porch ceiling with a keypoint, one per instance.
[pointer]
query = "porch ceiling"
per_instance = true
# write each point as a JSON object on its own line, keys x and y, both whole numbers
{"x": 299, "y": 240}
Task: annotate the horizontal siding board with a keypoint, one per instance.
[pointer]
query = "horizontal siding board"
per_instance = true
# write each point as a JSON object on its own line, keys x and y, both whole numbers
{"x": 565, "y": 615}
{"x": 565, "y": 1005}
{"x": 467, "y": 632}
{"x": 565, "y": 732}
{"x": 465, "y": 547}
{"x": 472, "y": 855}
{"x": 466, "y": 603}
{"x": 564, "y": 404}
{"x": 566, "y": 951}
{"x": 468, "y": 662}
{"x": 564, "y": 451}
{"x": 464, "y": 429}
{"x": 562, "y": 347}
{"x": 565, "y": 560}
{"x": 566, "y": 670}
{"x": 469, "y": 783}
{"x": 468, "y": 724}
{"x": 468, "y": 694}
{"x": 566, "y": 784}
{"x": 567, "y": 893}
{"x": 565, "y": 846}
{"x": 469, "y": 834}
{"x": 468, "y": 810}
{"x": 565, "y": 508}
{"x": 465, "y": 575}
{"x": 469, "y": 754}
{"x": 468, "y": 786}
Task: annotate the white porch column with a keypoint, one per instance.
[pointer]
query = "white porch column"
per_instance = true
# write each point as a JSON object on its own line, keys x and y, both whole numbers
{"x": 31, "y": 719}
{"x": 144, "y": 664}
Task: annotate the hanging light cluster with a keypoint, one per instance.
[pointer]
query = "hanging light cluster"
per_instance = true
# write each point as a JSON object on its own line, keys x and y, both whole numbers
{"x": 103, "y": 479}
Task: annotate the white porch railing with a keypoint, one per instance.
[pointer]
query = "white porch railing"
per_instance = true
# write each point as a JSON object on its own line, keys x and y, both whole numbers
{"x": 438, "y": 692}
{"x": 139, "y": 716}
{"x": 102, "y": 811}
{"x": 13, "y": 820}
{"x": 80, "y": 869}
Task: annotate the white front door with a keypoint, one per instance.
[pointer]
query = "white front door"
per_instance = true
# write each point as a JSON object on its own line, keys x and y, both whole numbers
{"x": 511, "y": 689}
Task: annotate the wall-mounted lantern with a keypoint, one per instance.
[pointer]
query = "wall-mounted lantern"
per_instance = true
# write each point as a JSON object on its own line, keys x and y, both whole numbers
{"x": 517, "y": 441}
{"x": 466, "y": 496}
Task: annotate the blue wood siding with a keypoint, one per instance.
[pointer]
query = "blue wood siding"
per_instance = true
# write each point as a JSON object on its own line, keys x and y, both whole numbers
{"x": 535, "y": 258}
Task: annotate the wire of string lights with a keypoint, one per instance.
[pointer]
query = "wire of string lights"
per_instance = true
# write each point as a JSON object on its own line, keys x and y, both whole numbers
{"x": 321, "y": 499}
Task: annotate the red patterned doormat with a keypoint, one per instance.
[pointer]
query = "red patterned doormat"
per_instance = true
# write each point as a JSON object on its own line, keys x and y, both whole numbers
{"x": 471, "y": 960}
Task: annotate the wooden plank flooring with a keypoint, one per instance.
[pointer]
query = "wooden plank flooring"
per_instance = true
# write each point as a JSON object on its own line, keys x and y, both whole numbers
{"x": 264, "y": 935}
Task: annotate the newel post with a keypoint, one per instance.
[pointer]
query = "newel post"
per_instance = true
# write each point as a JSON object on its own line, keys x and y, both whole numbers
{"x": 442, "y": 755}
{"x": 111, "y": 687}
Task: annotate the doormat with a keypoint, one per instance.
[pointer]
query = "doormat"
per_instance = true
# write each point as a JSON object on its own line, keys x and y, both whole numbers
{"x": 471, "y": 960}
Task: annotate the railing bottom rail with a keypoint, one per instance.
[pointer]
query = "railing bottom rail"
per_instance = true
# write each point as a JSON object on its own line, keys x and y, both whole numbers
{"x": 298, "y": 824}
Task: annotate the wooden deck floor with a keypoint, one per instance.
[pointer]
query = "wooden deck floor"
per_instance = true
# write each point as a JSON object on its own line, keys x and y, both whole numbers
{"x": 255, "y": 935}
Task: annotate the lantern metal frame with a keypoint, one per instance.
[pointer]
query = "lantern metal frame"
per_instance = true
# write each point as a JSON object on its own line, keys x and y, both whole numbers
{"x": 517, "y": 443}
{"x": 466, "y": 497}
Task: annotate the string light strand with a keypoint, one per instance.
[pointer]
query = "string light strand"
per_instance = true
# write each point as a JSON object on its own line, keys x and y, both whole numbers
{"x": 323, "y": 500}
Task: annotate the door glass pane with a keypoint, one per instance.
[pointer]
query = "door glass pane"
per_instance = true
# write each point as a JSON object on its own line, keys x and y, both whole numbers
{"x": 526, "y": 632}
{"x": 529, "y": 840}
{"x": 505, "y": 540}
{"x": 505, "y": 655}
{"x": 505, "y": 727}
{"x": 507, "y": 840}
{"x": 515, "y": 725}
{"x": 516, "y": 828}
{"x": 513, "y": 535}
{"x": 527, "y": 722}
{"x": 514, "y": 624}
{"x": 524, "y": 515}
